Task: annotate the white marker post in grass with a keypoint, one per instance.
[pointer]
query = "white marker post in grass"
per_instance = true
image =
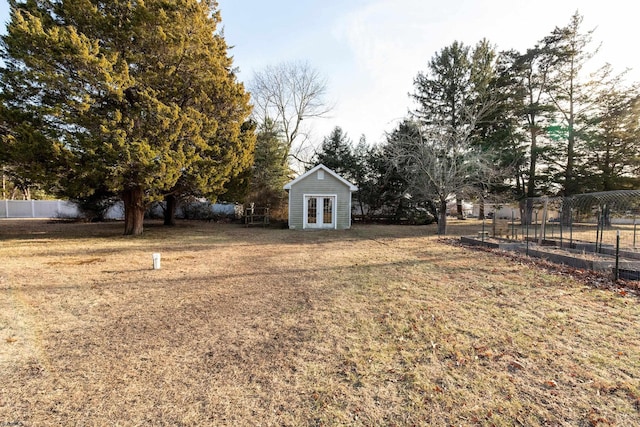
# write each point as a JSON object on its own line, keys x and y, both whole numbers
{"x": 156, "y": 261}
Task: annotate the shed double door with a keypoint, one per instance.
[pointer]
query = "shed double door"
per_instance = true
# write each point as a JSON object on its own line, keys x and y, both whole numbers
{"x": 320, "y": 212}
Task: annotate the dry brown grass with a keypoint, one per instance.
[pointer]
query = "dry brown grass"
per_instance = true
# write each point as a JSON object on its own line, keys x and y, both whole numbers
{"x": 379, "y": 325}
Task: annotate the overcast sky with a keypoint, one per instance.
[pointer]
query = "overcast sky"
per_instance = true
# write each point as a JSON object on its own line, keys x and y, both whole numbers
{"x": 370, "y": 50}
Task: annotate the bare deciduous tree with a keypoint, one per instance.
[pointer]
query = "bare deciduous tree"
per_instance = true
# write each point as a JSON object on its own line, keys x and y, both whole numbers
{"x": 287, "y": 94}
{"x": 440, "y": 162}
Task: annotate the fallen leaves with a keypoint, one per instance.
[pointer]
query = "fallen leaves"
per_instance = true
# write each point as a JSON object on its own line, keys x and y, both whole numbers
{"x": 550, "y": 384}
{"x": 596, "y": 419}
{"x": 595, "y": 279}
{"x": 514, "y": 364}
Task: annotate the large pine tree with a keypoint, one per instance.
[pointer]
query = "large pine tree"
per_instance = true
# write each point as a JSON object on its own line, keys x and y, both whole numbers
{"x": 571, "y": 92}
{"x": 133, "y": 96}
{"x": 613, "y": 153}
{"x": 454, "y": 92}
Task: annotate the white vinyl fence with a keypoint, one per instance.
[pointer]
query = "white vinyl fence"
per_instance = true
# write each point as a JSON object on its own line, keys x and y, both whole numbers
{"x": 67, "y": 209}
{"x": 48, "y": 209}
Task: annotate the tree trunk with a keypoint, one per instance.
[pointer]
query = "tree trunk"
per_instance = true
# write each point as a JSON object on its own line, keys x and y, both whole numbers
{"x": 459, "y": 208}
{"x": 569, "y": 178}
{"x": 493, "y": 223}
{"x": 170, "y": 210}
{"x": 570, "y": 186}
{"x": 527, "y": 213}
{"x": 606, "y": 216}
{"x": 133, "y": 211}
{"x": 531, "y": 185}
{"x": 567, "y": 212}
{"x": 442, "y": 223}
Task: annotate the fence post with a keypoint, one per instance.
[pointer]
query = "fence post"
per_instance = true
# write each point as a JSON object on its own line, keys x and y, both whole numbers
{"x": 617, "y": 271}
{"x": 513, "y": 224}
{"x": 602, "y": 220}
{"x": 523, "y": 219}
{"x": 6, "y": 208}
{"x": 570, "y": 227}
{"x": 598, "y": 217}
{"x": 543, "y": 223}
{"x": 527, "y": 238}
{"x": 560, "y": 224}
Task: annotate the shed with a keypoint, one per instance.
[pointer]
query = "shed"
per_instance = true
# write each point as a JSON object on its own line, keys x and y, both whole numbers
{"x": 320, "y": 199}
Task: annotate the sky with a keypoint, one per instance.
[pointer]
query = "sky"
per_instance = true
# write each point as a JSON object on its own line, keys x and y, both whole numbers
{"x": 371, "y": 50}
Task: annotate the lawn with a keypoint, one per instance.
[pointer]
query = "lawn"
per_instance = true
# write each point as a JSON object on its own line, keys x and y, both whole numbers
{"x": 378, "y": 325}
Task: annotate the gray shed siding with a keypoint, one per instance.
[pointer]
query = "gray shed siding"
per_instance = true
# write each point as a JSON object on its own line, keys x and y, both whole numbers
{"x": 327, "y": 186}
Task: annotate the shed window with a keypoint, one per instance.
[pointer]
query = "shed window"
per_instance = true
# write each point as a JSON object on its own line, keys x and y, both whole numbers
{"x": 327, "y": 214}
{"x": 312, "y": 206}
{"x": 321, "y": 174}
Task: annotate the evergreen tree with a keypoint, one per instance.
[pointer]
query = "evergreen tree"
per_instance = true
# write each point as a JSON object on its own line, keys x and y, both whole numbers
{"x": 570, "y": 91}
{"x": 612, "y": 149}
{"x": 374, "y": 188}
{"x": 456, "y": 91}
{"x": 496, "y": 129}
{"x": 337, "y": 154}
{"x": 444, "y": 91}
{"x": 269, "y": 174}
{"x": 26, "y": 155}
{"x": 193, "y": 183}
{"x": 395, "y": 181}
{"x": 533, "y": 108}
{"x": 130, "y": 96}
{"x": 361, "y": 165}
{"x": 525, "y": 110}
{"x": 364, "y": 176}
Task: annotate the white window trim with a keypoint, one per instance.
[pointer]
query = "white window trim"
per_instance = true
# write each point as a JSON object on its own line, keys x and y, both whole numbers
{"x": 305, "y": 211}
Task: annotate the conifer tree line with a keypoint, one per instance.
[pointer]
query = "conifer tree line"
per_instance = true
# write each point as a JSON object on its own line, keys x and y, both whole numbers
{"x": 139, "y": 101}
{"x": 502, "y": 125}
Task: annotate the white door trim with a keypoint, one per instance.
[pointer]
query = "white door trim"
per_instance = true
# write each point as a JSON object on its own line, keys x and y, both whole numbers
{"x": 319, "y": 205}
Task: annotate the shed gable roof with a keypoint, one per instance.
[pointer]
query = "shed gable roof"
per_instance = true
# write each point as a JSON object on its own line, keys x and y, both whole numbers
{"x": 288, "y": 185}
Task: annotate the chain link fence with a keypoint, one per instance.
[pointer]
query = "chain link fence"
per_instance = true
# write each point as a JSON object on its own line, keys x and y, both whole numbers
{"x": 603, "y": 224}
{"x": 592, "y": 221}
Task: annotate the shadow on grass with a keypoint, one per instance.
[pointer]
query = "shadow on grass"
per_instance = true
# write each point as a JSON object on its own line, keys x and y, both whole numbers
{"x": 34, "y": 230}
{"x": 129, "y": 276}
